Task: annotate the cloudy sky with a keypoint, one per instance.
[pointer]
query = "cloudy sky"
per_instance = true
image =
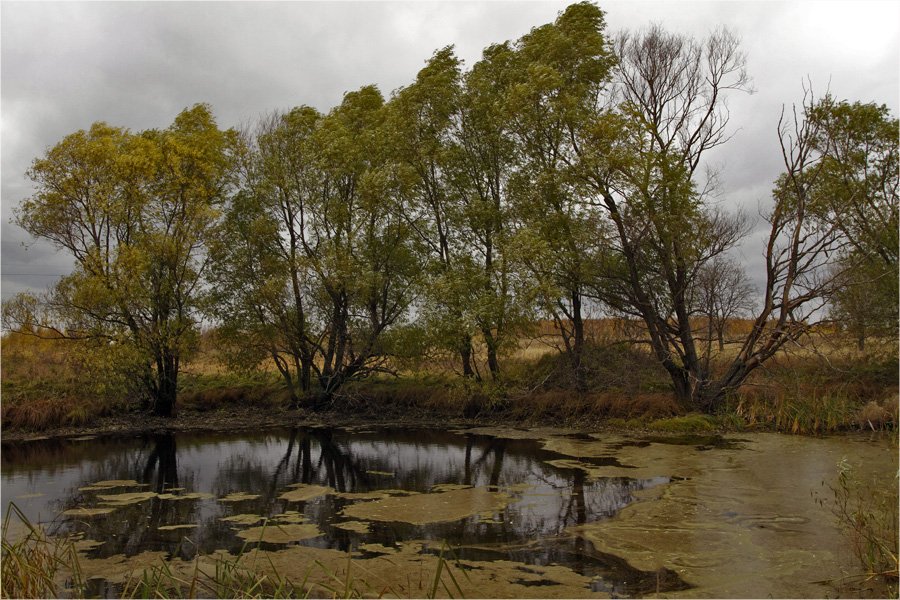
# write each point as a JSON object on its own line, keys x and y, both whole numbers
{"x": 66, "y": 65}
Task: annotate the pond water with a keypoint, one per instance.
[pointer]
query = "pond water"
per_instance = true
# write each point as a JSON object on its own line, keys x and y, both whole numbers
{"x": 542, "y": 513}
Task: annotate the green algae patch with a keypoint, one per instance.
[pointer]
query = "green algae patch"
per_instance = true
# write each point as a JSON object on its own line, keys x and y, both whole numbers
{"x": 110, "y": 484}
{"x": 288, "y": 516}
{"x": 238, "y": 497}
{"x": 88, "y": 512}
{"x": 375, "y": 495}
{"x": 274, "y": 533}
{"x": 743, "y": 523}
{"x": 243, "y": 519}
{"x": 191, "y": 496}
{"x": 120, "y": 568}
{"x": 127, "y": 498}
{"x": 377, "y": 549}
{"x": 177, "y": 527}
{"x": 430, "y": 508}
{"x": 449, "y": 487}
{"x": 301, "y": 492}
{"x": 356, "y": 526}
{"x": 408, "y": 571}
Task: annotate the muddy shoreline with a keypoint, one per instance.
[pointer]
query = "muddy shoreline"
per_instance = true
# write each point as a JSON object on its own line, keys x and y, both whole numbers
{"x": 251, "y": 418}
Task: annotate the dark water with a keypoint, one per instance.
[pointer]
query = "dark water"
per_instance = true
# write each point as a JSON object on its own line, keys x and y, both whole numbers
{"x": 43, "y": 479}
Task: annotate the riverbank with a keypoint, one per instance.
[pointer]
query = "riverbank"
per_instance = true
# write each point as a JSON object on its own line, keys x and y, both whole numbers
{"x": 46, "y": 394}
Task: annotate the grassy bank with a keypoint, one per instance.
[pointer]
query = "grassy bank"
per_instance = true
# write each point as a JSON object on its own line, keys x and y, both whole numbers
{"x": 48, "y": 384}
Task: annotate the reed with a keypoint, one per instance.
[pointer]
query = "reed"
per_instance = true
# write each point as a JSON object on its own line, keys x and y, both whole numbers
{"x": 867, "y": 513}
{"x": 35, "y": 565}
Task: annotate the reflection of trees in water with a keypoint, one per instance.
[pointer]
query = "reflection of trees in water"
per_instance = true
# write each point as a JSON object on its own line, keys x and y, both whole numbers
{"x": 161, "y": 468}
{"x": 343, "y": 461}
{"x": 133, "y": 528}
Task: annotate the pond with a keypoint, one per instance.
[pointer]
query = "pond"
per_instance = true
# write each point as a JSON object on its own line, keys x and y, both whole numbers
{"x": 516, "y": 512}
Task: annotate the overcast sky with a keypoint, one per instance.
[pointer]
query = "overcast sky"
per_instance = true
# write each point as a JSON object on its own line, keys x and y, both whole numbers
{"x": 137, "y": 65}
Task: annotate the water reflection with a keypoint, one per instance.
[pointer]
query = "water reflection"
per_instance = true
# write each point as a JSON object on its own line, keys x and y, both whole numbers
{"x": 180, "y": 468}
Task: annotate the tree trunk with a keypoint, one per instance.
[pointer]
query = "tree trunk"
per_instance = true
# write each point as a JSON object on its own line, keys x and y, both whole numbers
{"x": 465, "y": 354}
{"x": 491, "y": 344}
{"x": 166, "y": 384}
{"x": 578, "y": 343}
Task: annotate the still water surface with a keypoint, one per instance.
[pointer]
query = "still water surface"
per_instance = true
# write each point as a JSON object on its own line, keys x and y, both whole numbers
{"x": 538, "y": 513}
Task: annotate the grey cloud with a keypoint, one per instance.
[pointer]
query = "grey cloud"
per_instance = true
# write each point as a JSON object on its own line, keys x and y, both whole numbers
{"x": 135, "y": 64}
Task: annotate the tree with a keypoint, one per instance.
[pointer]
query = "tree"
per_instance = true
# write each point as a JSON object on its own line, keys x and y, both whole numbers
{"x": 559, "y": 72}
{"x": 864, "y": 302}
{"x": 640, "y": 159}
{"x": 317, "y": 263}
{"x": 721, "y": 292}
{"x": 857, "y": 186}
{"x": 856, "y": 191}
{"x": 134, "y": 211}
{"x": 421, "y": 120}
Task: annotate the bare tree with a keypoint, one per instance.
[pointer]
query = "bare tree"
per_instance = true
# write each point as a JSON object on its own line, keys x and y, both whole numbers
{"x": 721, "y": 292}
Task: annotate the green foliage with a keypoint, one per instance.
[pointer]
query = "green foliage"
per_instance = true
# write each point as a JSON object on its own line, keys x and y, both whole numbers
{"x": 134, "y": 210}
{"x": 693, "y": 423}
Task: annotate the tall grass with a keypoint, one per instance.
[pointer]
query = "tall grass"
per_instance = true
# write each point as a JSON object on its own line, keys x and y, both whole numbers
{"x": 867, "y": 512}
{"x": 35, "y": 564}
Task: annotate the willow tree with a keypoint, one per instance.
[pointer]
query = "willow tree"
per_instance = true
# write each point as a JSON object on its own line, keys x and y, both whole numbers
{"x": 317, "y": 263}
{"x": 561, "y": 71}
{"x": 134, "y": 211}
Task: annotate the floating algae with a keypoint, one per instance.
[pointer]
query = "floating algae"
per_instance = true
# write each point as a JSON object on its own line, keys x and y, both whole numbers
{"x": 288, "y": 516}
{"x": 376, "y": 495}
{"x": 238, "y": 497}
{"x": 377, "y": 549}
{"x": 303, "y": 491}
{"x": 88, "y": 512}
{"x": 357, "y": 526}
{"x": 191, "y": 496}
{"x": 430, "y": 508}
{"x": 449, "y": 487}
{"x": 110, "y": 484}
{"x": 274, "y": 533}
{"x": 243, "y": 519}
{"x": 127, "y": 498}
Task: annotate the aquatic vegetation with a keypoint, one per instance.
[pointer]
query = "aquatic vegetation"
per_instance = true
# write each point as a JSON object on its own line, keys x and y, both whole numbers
{"x": 429, "y": 508}
{"x": 357, "y": 526}
{"x": 88, "y": 512}
{"x": 190, "y": 496}
{"x": 302, "y": 492}
{"x": 176, "y": 527}
{"x": 243, "y": 519}
{"x": 127, "y": 498}
{"x": 238, "y": 497}
{"x": 280, "y": 533}
{"x": 110, "y": 484}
